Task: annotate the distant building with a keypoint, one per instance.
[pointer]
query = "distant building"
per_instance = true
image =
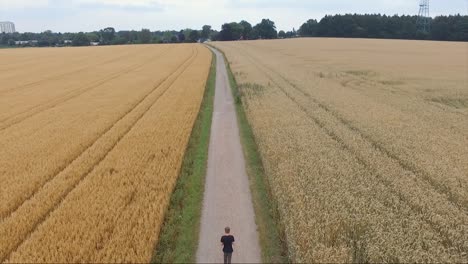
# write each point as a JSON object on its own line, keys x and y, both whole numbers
{"x": 26, "y": 43}
{"x": 22, "y": 42}
{"x": 7, "y": 27}
{"x": 94, "y": 43}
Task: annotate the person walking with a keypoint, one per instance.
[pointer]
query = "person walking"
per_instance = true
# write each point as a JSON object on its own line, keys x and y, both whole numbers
{"x": 227, "y": 240}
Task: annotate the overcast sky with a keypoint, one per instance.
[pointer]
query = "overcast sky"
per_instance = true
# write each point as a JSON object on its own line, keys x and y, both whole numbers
{"x": 90, "y": 15}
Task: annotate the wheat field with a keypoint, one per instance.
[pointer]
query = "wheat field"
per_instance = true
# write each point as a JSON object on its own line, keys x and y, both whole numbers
{"x": 364, "y": 143}
{"x": 91, "y": 143}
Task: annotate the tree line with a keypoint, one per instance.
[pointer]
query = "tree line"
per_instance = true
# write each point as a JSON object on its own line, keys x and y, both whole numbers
{"x": 106, "y": 36}
{"x": 449, "y": 28}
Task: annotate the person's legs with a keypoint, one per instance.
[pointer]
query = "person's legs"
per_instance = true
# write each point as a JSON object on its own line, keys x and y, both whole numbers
{"x": 229, "y": 257}
{"x": 225, "y": 258}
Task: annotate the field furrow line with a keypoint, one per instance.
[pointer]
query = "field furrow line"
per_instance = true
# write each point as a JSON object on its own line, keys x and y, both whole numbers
{"x": 46, "y": 55}
{"x": 422, "y": 208}
{"x": 21, "y": 65}
{"x": 363, "y": 161}
{"x": 20, "y": 117}
{"x": 443, "y": 190}
{"x": 15, "y": 230}
{"x": 439, "y": 106}
{"x": 363, "y": 83}
{"x": 104, "y": 132}
{"x": 56, "y": 77}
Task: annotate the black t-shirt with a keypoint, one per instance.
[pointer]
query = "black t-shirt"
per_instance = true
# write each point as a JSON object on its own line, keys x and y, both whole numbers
{"x": 227, "y": 241}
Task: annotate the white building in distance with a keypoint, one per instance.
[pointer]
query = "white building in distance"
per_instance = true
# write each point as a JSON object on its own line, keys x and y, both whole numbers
{"x": 7, "y": 27}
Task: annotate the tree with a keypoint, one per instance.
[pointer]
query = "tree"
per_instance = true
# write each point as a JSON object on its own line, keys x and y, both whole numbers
{"x": 46, "y": 39}
{"x": 187, "y": 32}
{"x": 282, "y": 34}
{"x": 266, "y": 29}
{"x": 214, "y": 35}
{"x": 246, "y": 29}
{"x": 309, "y": 28}
{"x": 107, "y": 35}
{"x": 181, "y": 36}
{"x": 459, "y": 31}
{"x": 291, "y": 34}
{"x": 144, "y": 36}
{"x": 124, "y": 36}
{"x": 441, "y": 28}
{"x": 173, "y": 39}
{"x": 3, "y": 39}
{"x": 80, "y": 39}
{"x": 156, "y": 39}
{"x": 254, "y": 34}
{"x": 231, "y": 31}
{"x": 194, "y": 36}
{"x": 206, "y": 32}
{"x": 167, "y": 36}
{"x": 93, "y": 37}
{"x": 119, "y": 40}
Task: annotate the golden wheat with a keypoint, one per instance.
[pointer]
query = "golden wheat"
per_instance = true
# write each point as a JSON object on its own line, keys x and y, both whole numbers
{"x": 365, "y": 144}
{"x": 88, "y": 171}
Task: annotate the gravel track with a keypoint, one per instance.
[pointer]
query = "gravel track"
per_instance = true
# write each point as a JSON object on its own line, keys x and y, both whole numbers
{"x": 227, "y": 199}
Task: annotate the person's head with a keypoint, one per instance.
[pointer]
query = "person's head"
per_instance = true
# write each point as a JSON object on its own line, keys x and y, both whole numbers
{"x": 227, "y": 230}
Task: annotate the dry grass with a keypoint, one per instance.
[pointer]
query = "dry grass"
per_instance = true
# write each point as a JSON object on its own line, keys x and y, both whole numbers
{"x": 365, "y": 143}
{"x": 91, "y": 148}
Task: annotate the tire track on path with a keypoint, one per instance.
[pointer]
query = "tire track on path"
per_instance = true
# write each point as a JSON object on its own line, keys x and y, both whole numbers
{"x": 70, "y": 177}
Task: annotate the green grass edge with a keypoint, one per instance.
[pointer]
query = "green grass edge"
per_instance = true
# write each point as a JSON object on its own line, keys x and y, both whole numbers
{"x": 178, "y": 239}
{"x": 271, "y": 233}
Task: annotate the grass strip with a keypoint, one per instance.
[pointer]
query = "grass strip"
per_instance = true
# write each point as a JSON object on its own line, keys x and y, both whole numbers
{"x": 271, "y": 232}
{"x": 178, "y": 240}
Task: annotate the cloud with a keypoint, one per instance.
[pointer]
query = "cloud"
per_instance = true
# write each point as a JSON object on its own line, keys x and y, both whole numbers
{"x": 19, "y": 4}
{"x": 121, "y": 3}
{"x": 147, "y": 3}
{"x": 376, "y": 6}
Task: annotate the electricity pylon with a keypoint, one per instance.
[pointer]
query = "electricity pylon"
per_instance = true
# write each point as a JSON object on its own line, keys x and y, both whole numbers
{"x": 424, "y": 20}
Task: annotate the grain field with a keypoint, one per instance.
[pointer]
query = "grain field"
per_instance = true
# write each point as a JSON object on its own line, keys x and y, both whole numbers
{"x": 91, "y": 143}
{"x": 364, "y": 143}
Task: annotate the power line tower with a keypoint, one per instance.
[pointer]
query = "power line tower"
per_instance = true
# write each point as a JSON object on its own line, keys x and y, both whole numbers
{"x": 424, "y": 20}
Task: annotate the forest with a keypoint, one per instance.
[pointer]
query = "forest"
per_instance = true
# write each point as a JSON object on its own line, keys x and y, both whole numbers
{"x": 452, "y": 28}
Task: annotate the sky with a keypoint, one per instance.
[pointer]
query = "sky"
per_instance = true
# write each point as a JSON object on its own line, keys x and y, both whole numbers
{"x": 91, "y": 15}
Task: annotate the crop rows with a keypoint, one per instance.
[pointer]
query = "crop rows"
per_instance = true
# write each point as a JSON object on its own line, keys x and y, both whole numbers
{"x": 133, "y": 158}
{"x": 66, "y": 86}
{"x": 11, "y": 199}
{"x": 323, "y": 123}
{"x": 77, "y": 61}
{"x": 31, "y": 111}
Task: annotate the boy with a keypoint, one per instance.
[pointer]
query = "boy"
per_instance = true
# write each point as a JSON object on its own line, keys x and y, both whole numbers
{"x": 227, "y": 240}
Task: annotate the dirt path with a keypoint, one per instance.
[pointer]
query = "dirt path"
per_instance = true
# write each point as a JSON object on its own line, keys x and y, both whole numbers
{"x": 227, "y": 199}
